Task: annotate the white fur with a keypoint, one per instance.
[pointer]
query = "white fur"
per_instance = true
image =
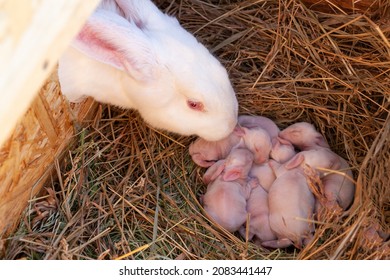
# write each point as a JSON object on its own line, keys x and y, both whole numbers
{"x": 151, "y": 64}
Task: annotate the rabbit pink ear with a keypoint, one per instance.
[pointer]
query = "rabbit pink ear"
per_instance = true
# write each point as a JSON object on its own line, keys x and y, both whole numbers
{"x": 274, "y": 165}
{"x": 199, "y": 160}
{"x": 284, "y": 141}
{"x": 320, "y": 141}
{"x": 295, "y": 161}
{"x": 239, "y": 131}
{"x": 214, "y": 171}
{"x": 275, "y": 142}
{"x": 232, "y": 174}
{"x": 111, "y": 39}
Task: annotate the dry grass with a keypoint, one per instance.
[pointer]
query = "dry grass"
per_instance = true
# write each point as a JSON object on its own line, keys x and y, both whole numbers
{"x": 128, "y": 191}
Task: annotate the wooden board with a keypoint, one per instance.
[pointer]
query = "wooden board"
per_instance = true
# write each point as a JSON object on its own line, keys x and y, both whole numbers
{"x": 33, "y": 35}
{"x": 34, "y": 129}
{"x": 27, "y": 157}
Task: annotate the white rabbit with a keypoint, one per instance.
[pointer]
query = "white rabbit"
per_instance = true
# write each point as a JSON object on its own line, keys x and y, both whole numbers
{"x": 132, "y": 55}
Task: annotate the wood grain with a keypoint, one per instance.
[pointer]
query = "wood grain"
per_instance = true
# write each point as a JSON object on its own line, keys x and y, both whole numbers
{"x": 36, "y": 124}
{"x": 33, "y": 35}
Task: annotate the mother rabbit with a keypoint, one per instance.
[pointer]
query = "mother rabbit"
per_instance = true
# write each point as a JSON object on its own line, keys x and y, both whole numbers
{"x": 132, "y": 55}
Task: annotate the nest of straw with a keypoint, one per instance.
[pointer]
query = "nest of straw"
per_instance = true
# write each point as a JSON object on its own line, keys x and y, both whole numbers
{"x": 128, "y": 191}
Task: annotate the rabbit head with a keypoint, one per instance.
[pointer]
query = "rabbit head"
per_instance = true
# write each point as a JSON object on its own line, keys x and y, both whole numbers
{"x": 304, "y": 136}
{"x": 132, "y": 55}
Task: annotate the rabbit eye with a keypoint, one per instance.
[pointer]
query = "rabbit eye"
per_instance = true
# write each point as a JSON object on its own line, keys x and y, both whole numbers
{"x": 195, "y": 105}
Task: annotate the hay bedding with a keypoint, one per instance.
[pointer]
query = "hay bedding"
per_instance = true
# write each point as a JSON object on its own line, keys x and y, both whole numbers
{"x": 128, "y": 191}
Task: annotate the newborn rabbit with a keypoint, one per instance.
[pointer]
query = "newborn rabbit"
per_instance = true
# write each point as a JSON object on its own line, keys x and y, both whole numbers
{"x": 304, "y": 136}
{"x": 238, "y": 164}
{"x": 264, "y": 174}
{"x": 282, "y": 150}
{"x": 205, "y": 153}
{"x": 257, "y": 207}
{"x": 338, "y": 189}
{"x": 291, "y": 205}
{"x": 259, "y": 121}
{"x": 132, "y": 55}
{"x": 226, "y": 195}
{"x": 258, "y": 141}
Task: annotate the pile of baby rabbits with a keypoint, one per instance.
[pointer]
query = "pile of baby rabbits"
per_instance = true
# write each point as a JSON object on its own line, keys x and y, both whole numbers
{"x": 257, "y": 183}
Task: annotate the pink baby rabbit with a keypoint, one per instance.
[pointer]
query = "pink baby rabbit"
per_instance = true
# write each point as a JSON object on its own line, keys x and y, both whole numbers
{"x": 291, "y": 206}
{"x": 304, "y": 136}
{"x": 132, "y": 55}
{"x": 238, "y": 164}
{"x": 258, "y": 141}
{"x": 229, "y": 189}
{"x": 338, "y": 189}
{"x": 205, "y": 153}
{"x": 264, "y": 174}
{"x": 282, "y": 150}
{"x": 259, "y": 121}
{"x": 259, "y": 226}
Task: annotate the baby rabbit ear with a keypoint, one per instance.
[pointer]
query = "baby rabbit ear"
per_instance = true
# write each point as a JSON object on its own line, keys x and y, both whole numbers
{"x": 232, "y": 174}
{"x": 111, "y": 39}
{"x": 283, "y": 141}
{"x": 214, "y": 171}
{"x": 320, "y": 141}
{"x": 275, "y": 143}
{"x": 295, "y": 161}
{"x": 274, "y": 165}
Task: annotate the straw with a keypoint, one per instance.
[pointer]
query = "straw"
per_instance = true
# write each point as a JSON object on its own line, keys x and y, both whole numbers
{"x": 129, "y": 191}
